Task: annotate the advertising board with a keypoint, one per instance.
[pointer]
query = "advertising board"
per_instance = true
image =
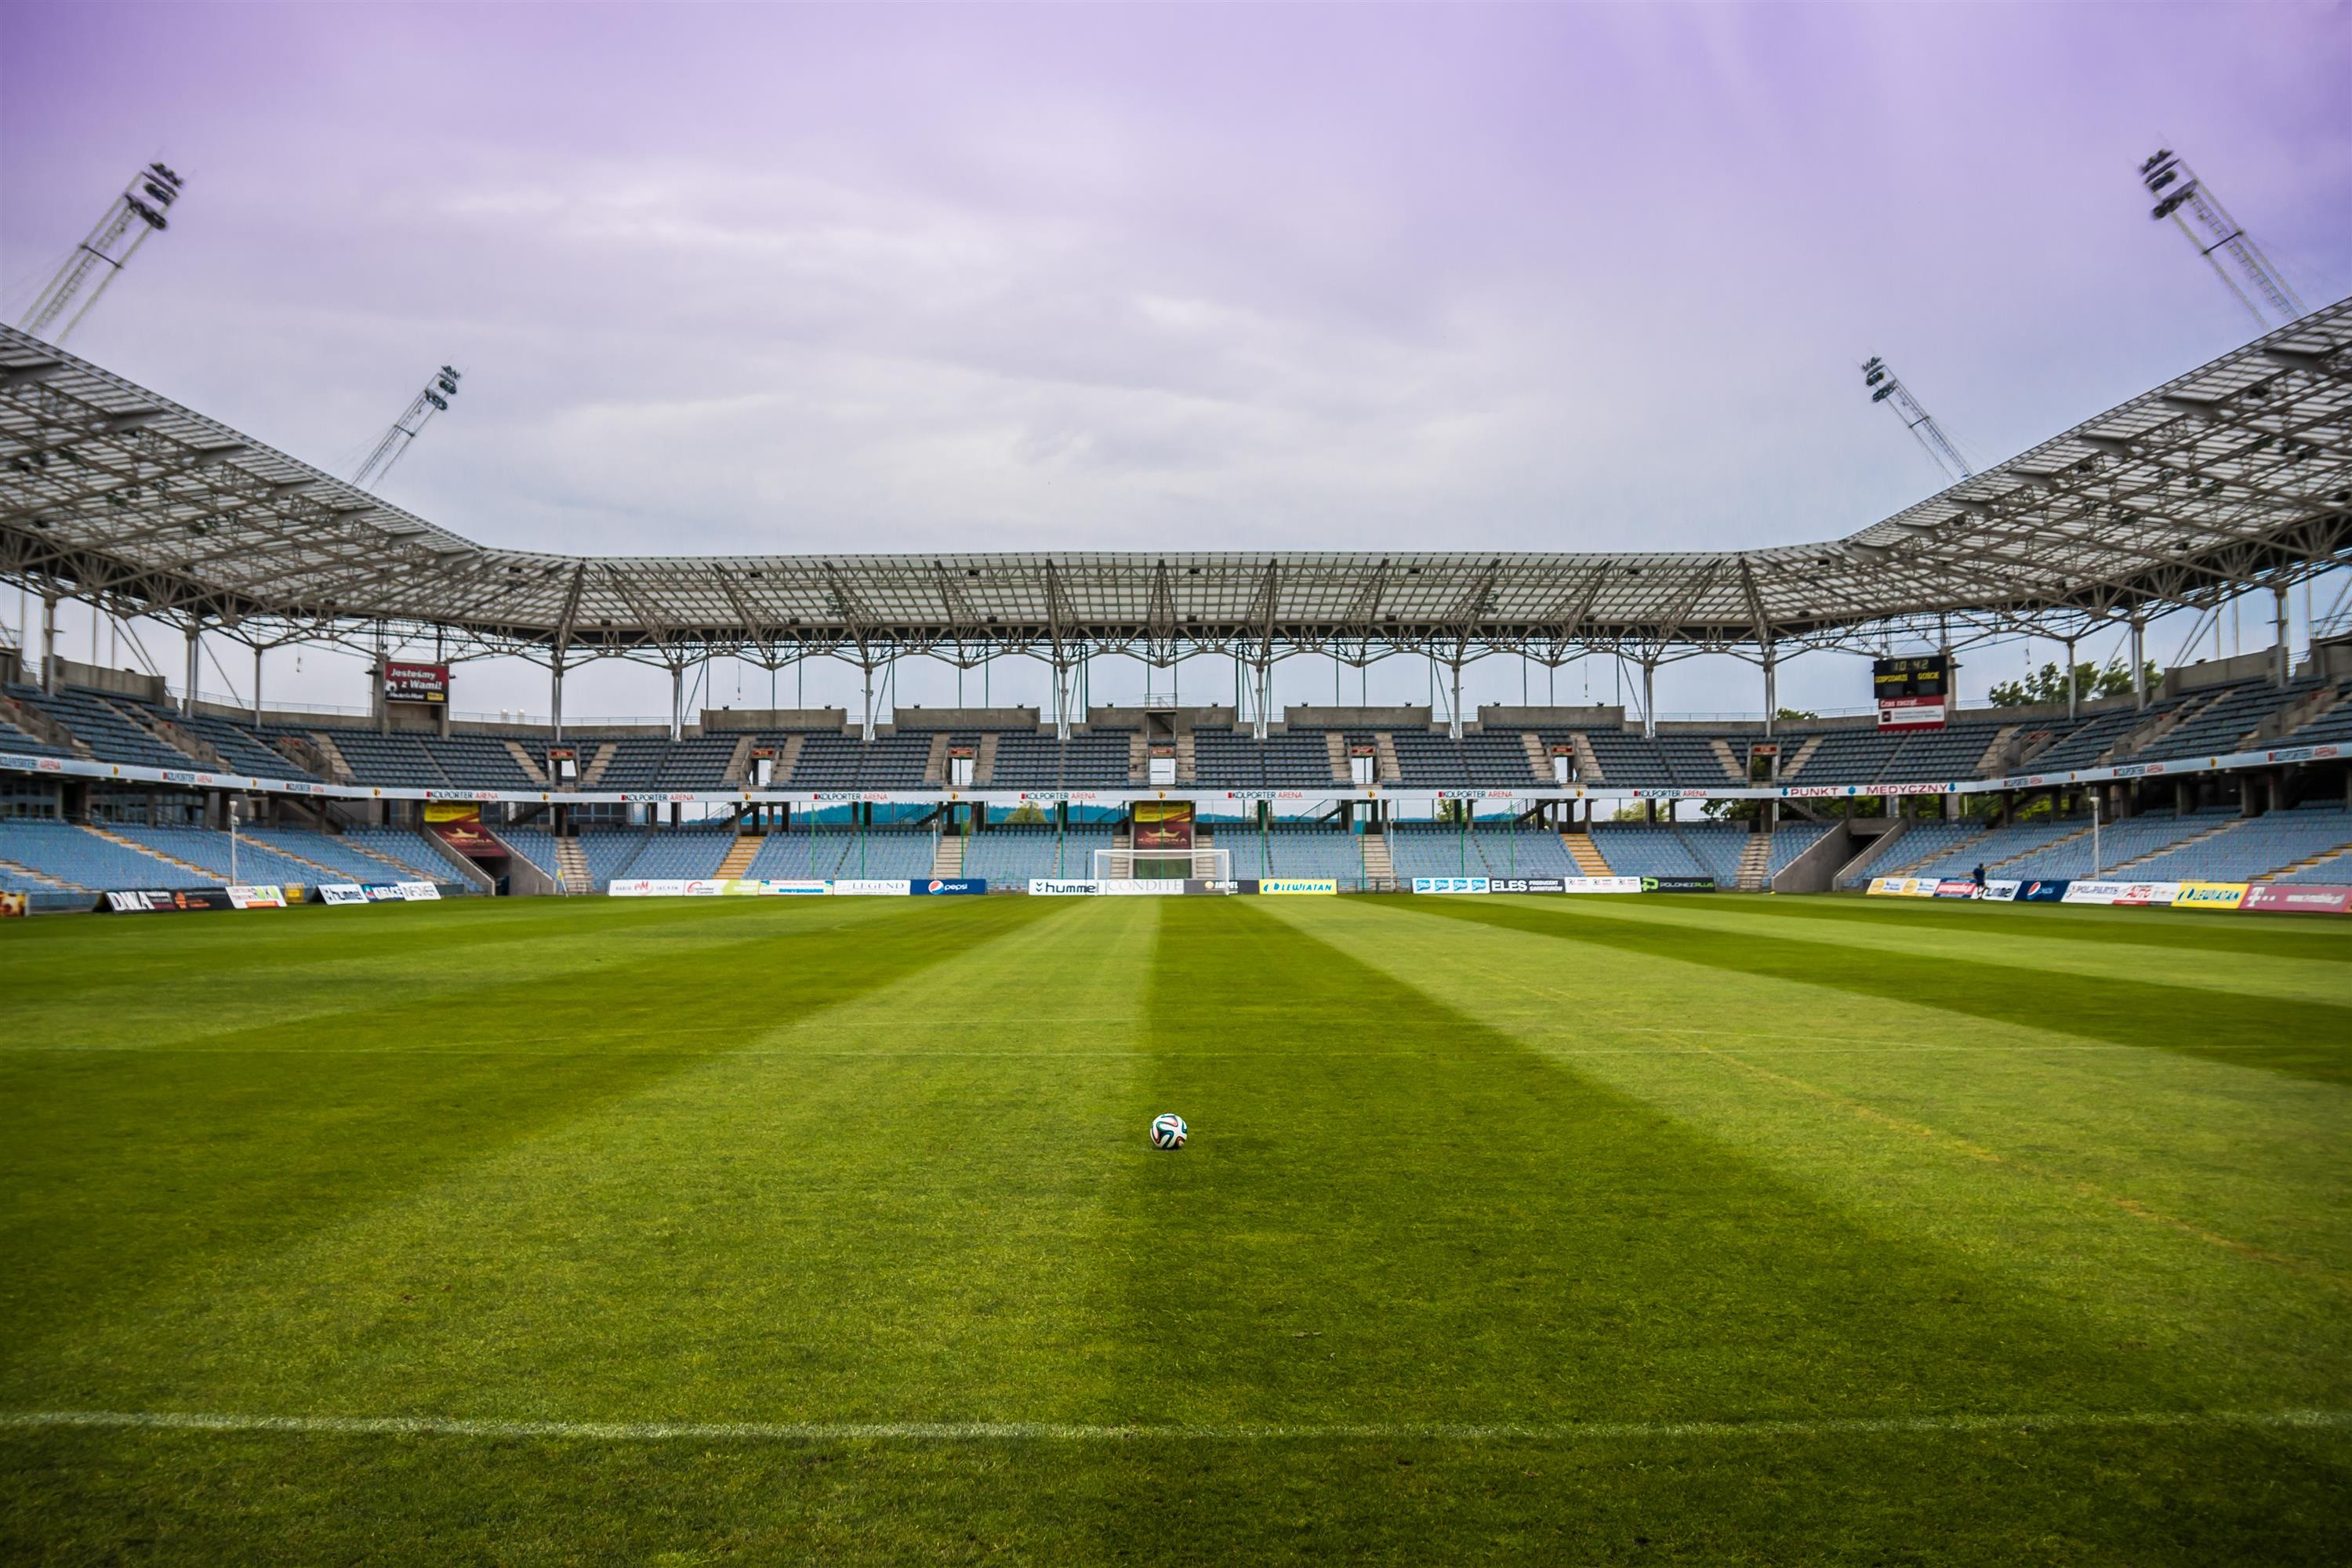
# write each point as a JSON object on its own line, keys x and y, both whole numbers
{"x": 950, "y": 885}
{"x": 2212, "y": 896}
{"x": 2001, "y": 892}
{"x": 2049, "y": 891}
{"x": 1903, "y": 887}
{"x": 1064, "y": 887}
{"x": 165, "y": 900}
{"x": 1298, "y": 885}
{"x": 1601, "y": 884}
{"x": 256, "y": 897}
{"x": 869, "y": 887}
{"x": 418, "y": 892}
{"x": 1449, "y": 884}
{"x": 1955, "y": 887}
{"x": 1678, "y": 884}
{"x": 1526, "y": 885}
{"x": 405, "y": 682}
{"x": 2314, "y": 899}
{"x": 341, "y": 893}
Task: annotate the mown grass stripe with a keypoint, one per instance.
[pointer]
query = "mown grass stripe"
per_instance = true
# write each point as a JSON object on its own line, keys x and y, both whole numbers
{"x": 2305, "y": 1039}
{"x": 1099, "y": 1432}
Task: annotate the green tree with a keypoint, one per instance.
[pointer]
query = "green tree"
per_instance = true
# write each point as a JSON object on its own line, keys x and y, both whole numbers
{"x": 2046, "y": 687}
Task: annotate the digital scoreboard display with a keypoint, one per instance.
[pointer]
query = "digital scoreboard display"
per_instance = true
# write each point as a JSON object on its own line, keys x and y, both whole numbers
{"x": 415, "y": 682}
{"x": 1925, "y": 675}
{"x": 1912, "y": 692}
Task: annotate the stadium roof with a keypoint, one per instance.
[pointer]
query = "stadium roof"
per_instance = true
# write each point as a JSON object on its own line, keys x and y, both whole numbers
{"x": 2234, "y": 476}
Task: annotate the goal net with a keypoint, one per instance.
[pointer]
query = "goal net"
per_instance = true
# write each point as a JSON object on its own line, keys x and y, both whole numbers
{"x": 1170, "y": 865}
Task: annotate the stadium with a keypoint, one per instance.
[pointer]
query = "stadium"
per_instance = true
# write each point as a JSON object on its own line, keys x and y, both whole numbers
{"x": 1205, "y": 1128}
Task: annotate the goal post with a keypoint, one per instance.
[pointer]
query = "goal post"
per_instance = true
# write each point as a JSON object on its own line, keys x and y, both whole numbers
{"x": 1164, "y": 864}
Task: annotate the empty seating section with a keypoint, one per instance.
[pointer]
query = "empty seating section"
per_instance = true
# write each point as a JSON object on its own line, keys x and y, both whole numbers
{"x": 698, "y": 761}
{"x": 210, "y": 851}
{"x": 880, "y": 853}
{"x": 399, "y": 760}
{"x": 1434, "y": 849}
{"x": 1095, "y": 760}
{"x": 1931, "y": 755}
{"x": 1630, "y": 760}
{"x": 2224, "y": 719}
{"x": 2238, "y": 849}
{"x": 2094, "y": 738}
{"x": 2290, "y": 837}
{"x": 2334, "y": 724}
{"x": 536, "y": 845}
{"x": 333, "y": 853}
{"x": 687, "y": 854}
{"x": 1427, "y": 757}
{"x": 1716, "y": 847}
{"x": 1293, "y": 850}
{"x": 783, "y": 858}
{"x": 240, "y": 747}
{"x": 1956, "y": 849}
{"x": 103, "y": 728}
{"x": 78, "y": 858}
{"x": 1234, "y": 759}
{"x": 1637, "y": 849}
{"x": 1010, "y": 856}
{"x": 1791, "y": 839}
{"x": 842, "y": 761}
{"x": 406, "y": 846}
{"x": 13, "y": 739}
{"x": 2116, "y": 843}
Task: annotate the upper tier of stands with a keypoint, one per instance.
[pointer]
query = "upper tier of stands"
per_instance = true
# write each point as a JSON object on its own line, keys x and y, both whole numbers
{"x": 2208, "y": 720}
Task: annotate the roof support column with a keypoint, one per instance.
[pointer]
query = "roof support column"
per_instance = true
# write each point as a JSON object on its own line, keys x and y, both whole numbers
{"x": 677, "y": 701}
{"x": 195, "y": 646}
{"x": 2139, "y": 660}
{"x": 1453, "y": 720}
{"x": 1772, "y": 683}
{"x": 1262, "y": 687}
{"x": 1062, "y": 672}
{"x": 2073, "y": 681}
{"x": 256, "y": 686}
{"x": 1650, "y": 697}
{"x": 865, "y": 701}
{"x": 2285, "y": 659}
{"x": 49, "y": 643}
{"x": 555, "y": 694}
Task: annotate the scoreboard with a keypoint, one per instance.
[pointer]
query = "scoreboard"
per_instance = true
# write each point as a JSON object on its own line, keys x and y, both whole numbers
{"x": 1914, "y": 692}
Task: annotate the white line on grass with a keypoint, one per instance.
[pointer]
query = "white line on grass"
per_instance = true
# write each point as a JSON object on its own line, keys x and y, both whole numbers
{"x": 1084, "y": 1432}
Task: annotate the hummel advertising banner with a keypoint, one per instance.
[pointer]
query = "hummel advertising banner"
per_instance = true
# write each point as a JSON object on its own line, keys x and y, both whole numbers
{"x": 341, "y": 893}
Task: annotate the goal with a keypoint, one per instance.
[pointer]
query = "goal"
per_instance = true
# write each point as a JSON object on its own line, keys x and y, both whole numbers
{"x": 1164, "y": 864}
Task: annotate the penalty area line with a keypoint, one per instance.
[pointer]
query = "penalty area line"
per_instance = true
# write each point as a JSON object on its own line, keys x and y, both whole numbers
{"x": 1084, "y": 1432}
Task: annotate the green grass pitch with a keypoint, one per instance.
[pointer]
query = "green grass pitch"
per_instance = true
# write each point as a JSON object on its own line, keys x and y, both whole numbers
{"x": 1512, "y": 1230}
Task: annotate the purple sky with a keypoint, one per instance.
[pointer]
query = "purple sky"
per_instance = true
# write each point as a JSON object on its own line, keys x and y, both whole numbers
{"x": 901, "y": 278}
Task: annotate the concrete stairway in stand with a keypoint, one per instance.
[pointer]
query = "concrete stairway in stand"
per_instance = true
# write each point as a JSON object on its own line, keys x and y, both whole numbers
{"x": 1589, "y": 861}
{"x": 739, "y": 856}
{"x": 571, "y": 867}
{"x": 947, "y": 860}
{"x": 1755, "y": 863}
{"x": 1379, "y": 868}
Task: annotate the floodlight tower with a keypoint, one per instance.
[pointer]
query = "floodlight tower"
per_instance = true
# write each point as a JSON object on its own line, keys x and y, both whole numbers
{"x": 438, "y": 390}
{"x": 2181, "y": 196}
{"x": 139, "y": 207}
{"x": 1887, "y": 387}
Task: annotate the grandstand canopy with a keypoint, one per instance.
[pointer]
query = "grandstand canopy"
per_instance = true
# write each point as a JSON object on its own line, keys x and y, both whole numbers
{"x": 2236, "y": 475}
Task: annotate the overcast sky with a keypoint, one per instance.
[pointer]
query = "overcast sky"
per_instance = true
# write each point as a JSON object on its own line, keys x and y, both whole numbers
{"x": 798, "y": 278}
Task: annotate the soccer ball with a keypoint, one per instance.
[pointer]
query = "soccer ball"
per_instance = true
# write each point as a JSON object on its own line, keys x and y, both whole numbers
{"x": 1168, "y": 1132}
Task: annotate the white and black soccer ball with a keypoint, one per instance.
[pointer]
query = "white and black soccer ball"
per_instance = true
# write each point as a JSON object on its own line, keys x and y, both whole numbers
{"x": 1168, "y": 1132}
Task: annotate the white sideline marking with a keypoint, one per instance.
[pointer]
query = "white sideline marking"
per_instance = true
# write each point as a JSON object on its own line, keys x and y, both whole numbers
{"x": 1082, "y": 1432}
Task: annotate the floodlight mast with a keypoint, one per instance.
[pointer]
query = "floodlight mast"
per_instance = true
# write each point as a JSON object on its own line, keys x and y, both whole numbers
{"x": 1887, "y": 387}
{"x": 140, "y": 206}
{"x": 2182, "y": 195}
{"x": 435, "y": 396}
